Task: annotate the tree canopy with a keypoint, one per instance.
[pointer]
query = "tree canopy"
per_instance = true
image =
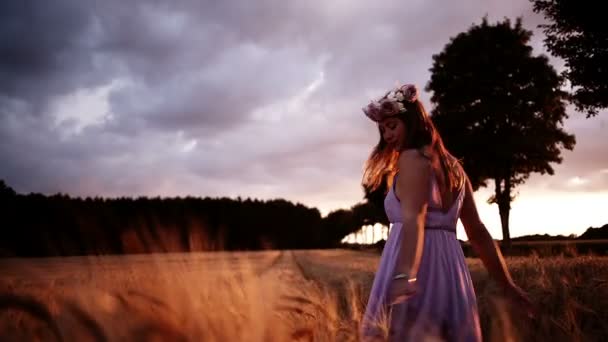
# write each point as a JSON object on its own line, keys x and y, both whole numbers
{"x": 499, "y": 108}
{"x": 577, "y": 33}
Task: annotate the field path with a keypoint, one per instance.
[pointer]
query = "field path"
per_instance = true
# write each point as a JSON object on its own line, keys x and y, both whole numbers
{"x": 287, "y": 272}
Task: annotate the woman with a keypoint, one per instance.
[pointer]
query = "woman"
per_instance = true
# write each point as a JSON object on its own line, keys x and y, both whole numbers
{"x": 423, "y": 287}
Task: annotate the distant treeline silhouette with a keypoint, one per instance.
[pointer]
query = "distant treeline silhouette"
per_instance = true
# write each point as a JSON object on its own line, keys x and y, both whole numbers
{"x": 592, "y": 241}
{"x": 40, "y": 225}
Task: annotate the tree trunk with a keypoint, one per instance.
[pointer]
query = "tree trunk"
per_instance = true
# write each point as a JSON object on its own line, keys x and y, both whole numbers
{"x": 503, "y": 199}
{"x": 373, "y": 233}
{"x": 503, "y": 209}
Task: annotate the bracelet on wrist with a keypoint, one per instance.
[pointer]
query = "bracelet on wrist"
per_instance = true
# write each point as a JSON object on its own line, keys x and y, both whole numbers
{"x": 404, "y": 276}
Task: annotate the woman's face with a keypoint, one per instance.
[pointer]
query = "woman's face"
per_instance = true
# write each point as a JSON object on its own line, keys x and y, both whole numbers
{"x": 393, "y": 131}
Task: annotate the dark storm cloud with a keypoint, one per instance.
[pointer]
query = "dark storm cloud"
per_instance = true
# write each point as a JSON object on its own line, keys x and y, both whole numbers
{"x": 180, "y": 69}
{"x": 43, "y": 51}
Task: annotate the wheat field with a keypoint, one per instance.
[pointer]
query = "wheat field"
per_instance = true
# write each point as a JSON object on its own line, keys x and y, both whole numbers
{"x": 304, "y": 295}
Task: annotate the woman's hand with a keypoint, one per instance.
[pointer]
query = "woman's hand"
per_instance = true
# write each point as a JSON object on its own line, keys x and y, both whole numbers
{"x": 401, "y": 290}
{"x": 521, "y": 300}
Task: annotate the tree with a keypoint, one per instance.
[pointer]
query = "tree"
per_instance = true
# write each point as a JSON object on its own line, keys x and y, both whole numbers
{"x": 374, "y": 203}
{"x": 499, "y": 109}
{"x": 577, "y": 33}
{"x": 6, "y": 191}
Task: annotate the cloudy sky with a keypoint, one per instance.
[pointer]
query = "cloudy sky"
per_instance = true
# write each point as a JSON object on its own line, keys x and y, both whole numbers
{"x": 244, "y": 98}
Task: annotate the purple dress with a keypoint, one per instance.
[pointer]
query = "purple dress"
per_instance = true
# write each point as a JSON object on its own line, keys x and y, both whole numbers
{"x": 445, "y": 305}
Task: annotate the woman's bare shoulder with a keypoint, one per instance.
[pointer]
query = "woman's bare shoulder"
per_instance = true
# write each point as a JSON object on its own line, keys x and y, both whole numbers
{"x": 413, "y": 160}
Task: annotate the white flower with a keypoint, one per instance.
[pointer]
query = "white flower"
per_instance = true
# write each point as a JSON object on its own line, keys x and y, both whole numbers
{"x": 410, "y": 92}
{"x": 392, "y": 102}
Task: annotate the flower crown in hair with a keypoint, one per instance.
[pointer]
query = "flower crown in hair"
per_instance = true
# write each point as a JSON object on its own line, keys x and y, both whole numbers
{"x": 392, "y": 103}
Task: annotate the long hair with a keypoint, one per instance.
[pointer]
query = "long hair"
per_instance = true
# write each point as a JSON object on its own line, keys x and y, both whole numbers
{"x": 381, "y": 166}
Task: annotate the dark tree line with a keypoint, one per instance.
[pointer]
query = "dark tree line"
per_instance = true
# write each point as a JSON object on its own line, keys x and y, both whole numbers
{"x": 39, "y": 225}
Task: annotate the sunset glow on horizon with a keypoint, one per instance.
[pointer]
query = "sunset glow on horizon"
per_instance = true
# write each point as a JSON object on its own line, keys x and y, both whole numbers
{"x": 552, "y": 214}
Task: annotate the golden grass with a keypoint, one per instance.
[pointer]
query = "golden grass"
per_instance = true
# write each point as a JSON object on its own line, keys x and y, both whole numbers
{"x": 314, "y": 295}
{"x": 571, "y": 293}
